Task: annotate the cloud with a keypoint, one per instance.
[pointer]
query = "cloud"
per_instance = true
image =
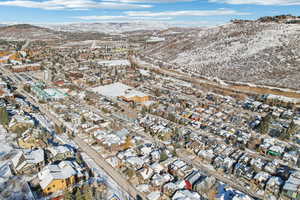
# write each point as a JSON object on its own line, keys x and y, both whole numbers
{"x": 218, "y": 12}
{"x": 72, "y": 4}
{"x": 169, "y": 16}
{"x": 149, "y": 1}
{"x": 260, "y": 2}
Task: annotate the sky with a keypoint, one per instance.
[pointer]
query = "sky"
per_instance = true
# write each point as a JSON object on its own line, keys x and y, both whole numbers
{"x": 177, "y": 12}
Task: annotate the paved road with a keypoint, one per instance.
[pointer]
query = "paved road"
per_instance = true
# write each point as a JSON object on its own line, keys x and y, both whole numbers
{"x": 115, "y": 175}
{"x": 26, "y": 44}
{"x": 100, "y": 161}
{"x": 192, "y": 160}
{"x": 185, "y": 156}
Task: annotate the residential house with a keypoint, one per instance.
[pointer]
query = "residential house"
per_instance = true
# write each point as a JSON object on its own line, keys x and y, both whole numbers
{"x": 59, "y": 153}
{"x": 54, "y": 178}
{"x": 291, "y": 188}
{"x": 28, "y": 161}
{"x": 274, "y": 185}
{"x": 260, "y": 179}
{"x": 29, "y": 140}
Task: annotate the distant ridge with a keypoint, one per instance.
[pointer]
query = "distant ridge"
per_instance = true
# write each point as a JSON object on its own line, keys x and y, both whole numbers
{"x": 26, "y": 31}
{"x": 109, "y": 28}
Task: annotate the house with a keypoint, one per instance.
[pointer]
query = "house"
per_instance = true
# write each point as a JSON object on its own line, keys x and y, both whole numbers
{"x": 114, "y": 161}
{"x": 28, "y": 161}
{"x": 157, "y": 168}
{"x": 30, "y": 140}
{"x": 20, "y": 123}
{"x": 260, "y": 179}
{"x": 192, "y": 178}
{"x": 207, "y": 155}
{"x": 244, "y": 171}
{"x": 205, "y": 184}
{"x": 145, "y": 174}
{"x": 273, "y": 185}
{"x": 271, "y": 167}
{"x": 154, "y": 195}
{"x": 258, "y": 164}
{"x": 179, "y": 168}
{"x": 56, "y": 153}
{"x": 111, "y": 141}
{"x": 159, "y": 180}
{"x": 291, "y": 157}
{"x": 53, "y": 178}
{"x": 276, "y": 151}
{"x": 134, "y": 162}
{"x": 292, "y": 185}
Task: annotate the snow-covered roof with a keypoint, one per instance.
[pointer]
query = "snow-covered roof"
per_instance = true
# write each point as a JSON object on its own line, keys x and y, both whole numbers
{"x": 113, "y": 63}
{"x": 118, "y": 90}
{"x": 31, "y": 157}
{"x": 63, "y": 170}
{"x": 186, "y": 195}
{"x": 154, "y": 195}
{"x": 283, "y": 98}
{"x": 58, "y": 149}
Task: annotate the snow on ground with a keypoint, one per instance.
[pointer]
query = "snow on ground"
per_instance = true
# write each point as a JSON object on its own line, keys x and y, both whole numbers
{"x": 13, "y": 187}
{"x": 113, "y": 187}
{"x": 260, "y": 53}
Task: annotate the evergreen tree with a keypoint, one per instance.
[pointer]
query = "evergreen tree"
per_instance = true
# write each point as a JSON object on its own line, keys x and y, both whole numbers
{"x": 87, "y": 193}
{"x": 292, "y": 128}
{"x": 286, "y": 134}
{"x": 144, "y": 110}
{"x": 163, "y": 156}
{"x": 265, "y": 123}
{"x": 68, "y": 195}
{"x": 78, "y": 195}
{"x": 4, "y": 119}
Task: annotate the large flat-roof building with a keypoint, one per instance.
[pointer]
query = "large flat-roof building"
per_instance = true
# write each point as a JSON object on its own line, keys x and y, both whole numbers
{"x": 120, "y": 90}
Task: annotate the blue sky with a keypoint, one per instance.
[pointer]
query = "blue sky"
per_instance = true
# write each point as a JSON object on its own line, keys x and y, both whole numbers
{"x": 179, "y": 12}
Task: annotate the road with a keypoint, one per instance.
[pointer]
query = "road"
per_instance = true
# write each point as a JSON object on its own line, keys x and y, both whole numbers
{"x": 186, "y": 156}
{"x": 193, "y": 160}
{"x": 115, "y": 175}
{"x": 26, "y": 44}
{"x": 100, "y": 161}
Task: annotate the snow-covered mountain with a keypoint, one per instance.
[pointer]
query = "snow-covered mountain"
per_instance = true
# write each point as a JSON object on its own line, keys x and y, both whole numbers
{"x": 107, "y": 27}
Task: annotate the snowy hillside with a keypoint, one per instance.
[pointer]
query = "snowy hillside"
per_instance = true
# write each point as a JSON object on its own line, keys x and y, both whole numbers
{"x": 262, "y": 53}
{"x": 108, "y": 27}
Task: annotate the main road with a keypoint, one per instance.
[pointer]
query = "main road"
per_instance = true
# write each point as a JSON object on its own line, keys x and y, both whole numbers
{"x": 99, "y": 160}
{"x": 114, "y": 174}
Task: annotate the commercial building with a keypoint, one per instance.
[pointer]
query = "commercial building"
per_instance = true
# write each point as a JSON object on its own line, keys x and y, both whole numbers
{"x": 119, "y": 90}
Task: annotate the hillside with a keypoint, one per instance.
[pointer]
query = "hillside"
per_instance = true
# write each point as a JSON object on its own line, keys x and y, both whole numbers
{"x": 107, "y": 27}
{"x": 27, "y": 32}
{"x": 249, "y": 51}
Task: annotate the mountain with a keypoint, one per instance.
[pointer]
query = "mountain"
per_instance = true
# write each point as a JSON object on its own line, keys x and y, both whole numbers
{"x": 30, "y": 32}
{"x": 108, "y": 27}
{"x": 257, "y": 52}
{"x": 27, "y": 32}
